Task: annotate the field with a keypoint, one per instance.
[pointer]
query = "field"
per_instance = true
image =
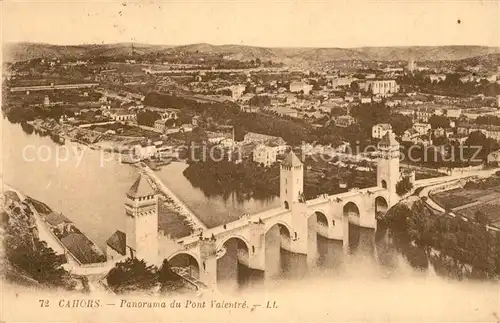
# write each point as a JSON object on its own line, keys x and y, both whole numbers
{"x": 469, "y": 201}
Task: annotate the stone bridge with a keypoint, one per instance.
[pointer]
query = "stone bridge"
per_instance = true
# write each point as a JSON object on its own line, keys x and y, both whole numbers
{"x": 294, "y": 226}
{"x": 297, "y": 222}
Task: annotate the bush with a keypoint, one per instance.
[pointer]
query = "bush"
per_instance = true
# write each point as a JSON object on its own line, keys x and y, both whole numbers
{"x": 404, "y": 186}
{"x": 130, "y": 275}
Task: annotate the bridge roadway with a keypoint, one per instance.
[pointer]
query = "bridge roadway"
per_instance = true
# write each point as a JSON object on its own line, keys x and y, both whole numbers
{"x": 230, "y": 228}
{"x": 158, "y": 184}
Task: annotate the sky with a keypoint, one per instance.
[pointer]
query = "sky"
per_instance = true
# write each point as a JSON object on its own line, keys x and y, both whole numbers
{"x": 272, "y": 23}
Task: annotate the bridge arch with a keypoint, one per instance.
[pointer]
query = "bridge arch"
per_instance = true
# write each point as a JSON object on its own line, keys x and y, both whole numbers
{"x": 186, "y": 261}
{"x": 233, "y": 255}
{"x": 283, "y": 226}
{"x": 381, "y": 205}
{"x": 351, "y": 209}
{"x": 242, "y": 241}
{"x": 321, "y": 217}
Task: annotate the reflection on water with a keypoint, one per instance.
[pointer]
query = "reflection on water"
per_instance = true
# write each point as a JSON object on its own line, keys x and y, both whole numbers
{"x": 212, "y": 211}
{"x": 74, "y": 180}
{"x": 89, "y": 193}
{"x": 373, "y": 277}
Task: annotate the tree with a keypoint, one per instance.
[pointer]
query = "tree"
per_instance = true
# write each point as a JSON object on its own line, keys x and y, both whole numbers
{"x": 481, "y": 218}
{"x": 478, "y": 139}
{"x": 147, "y": 118}
{"x": 439, "y": 122}
{"x": 131, "y": 275}
{"x": 26, "y": 252}
{"x": 400, "y": 123}
{"x": 404, "y": 186}
{"x": 488, "y": 120}
{"x": 166, "y": 273}
{"x": 260, "y": 101}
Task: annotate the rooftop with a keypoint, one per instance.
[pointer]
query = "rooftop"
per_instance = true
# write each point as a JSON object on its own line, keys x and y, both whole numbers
{"x": 385, "y": 126}
{"x": 389, "y": 139}
{"x": 117, "y": 242}
{"x": 140, "y": 188}
{"x": 291, "y": 160}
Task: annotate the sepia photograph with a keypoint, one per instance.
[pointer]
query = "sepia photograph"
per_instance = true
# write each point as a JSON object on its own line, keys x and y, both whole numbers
{"x": 250, "y": 161}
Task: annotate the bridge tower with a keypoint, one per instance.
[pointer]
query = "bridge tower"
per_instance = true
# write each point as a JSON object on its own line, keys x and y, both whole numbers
{"x": 291, "y": 180}
{"x": 388, "y": 165}
{"x": 141, "y": 224}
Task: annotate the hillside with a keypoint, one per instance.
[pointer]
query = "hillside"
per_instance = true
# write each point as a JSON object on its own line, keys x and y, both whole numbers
{"x": 25, "y": 51}
{"x": 489, "y": 61}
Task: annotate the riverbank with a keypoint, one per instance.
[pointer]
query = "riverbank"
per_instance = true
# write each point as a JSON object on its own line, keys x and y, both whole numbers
{"x": 57, "y": 228}
{"x": 458, "y": 248}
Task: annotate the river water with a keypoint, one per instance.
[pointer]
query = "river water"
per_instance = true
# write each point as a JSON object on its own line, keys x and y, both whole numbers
{"x": 211, "y": 211}
{"x": 89, "y": 186}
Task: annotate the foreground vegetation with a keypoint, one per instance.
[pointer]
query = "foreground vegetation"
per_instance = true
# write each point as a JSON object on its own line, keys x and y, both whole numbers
{"x": 454, "y": 246}
{"x": 133, "y": 275}
{"x": 31, "y": 257}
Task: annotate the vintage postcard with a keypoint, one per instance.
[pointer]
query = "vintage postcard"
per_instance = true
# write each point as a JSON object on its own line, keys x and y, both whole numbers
{"x": 259, "y": 161}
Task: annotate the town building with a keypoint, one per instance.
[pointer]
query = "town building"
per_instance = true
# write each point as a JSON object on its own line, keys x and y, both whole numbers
{"x": 494, "y": 158}
{"x": 298, "y": 86}
{"x": 215, "y": 137}
{"x": 122, "y": 115}
{"x": 344, "y": 121}
{"x": 489, "y": 131}
{"x": 341, "y": 81}
{"x": 160, "y": 125}
{"x": 379, "y": 130}
{"x": 168, "y": 114}
{"x": 237, "y": 91}
{"x": 436, "y": 77}
{"x": 410, "y": 135}
{"x": 264, "y": 155}
{"x": 422, "y": 128}
{"x": 381, "y": 87}
{"x": 412, "y": 66}
{"x": 453, "y": 113}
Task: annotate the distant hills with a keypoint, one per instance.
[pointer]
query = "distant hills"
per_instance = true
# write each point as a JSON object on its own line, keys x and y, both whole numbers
{"x": 24, "y": 51}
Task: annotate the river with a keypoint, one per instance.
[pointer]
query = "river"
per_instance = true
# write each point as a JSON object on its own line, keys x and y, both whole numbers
{"x": 211, "y": 211}
{"x": 89, "y": 186}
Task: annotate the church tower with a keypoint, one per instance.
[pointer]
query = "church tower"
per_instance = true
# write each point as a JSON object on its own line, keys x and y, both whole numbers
{"x": 388, "y": 165}
{"x": 291, "y": 180}
{"x": 141, "y": 210}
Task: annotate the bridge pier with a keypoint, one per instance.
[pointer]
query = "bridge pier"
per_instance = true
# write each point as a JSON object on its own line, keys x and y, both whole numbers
{"x": 208, "y": 263}
{"x": 345, "y": 234}
{"x": 257, "y": 248}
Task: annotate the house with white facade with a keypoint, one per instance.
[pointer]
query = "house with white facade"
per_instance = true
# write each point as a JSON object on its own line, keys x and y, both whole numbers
{"x": 379, "y": 130}
{"x": 422, "y": 128}
{"x": 265, "y": 155}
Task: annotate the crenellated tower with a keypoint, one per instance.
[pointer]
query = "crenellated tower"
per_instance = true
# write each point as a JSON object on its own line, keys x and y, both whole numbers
{"x": 141, "y": 210}
{"x": 291, "y": 180}
{"x": 388, "y": 165}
